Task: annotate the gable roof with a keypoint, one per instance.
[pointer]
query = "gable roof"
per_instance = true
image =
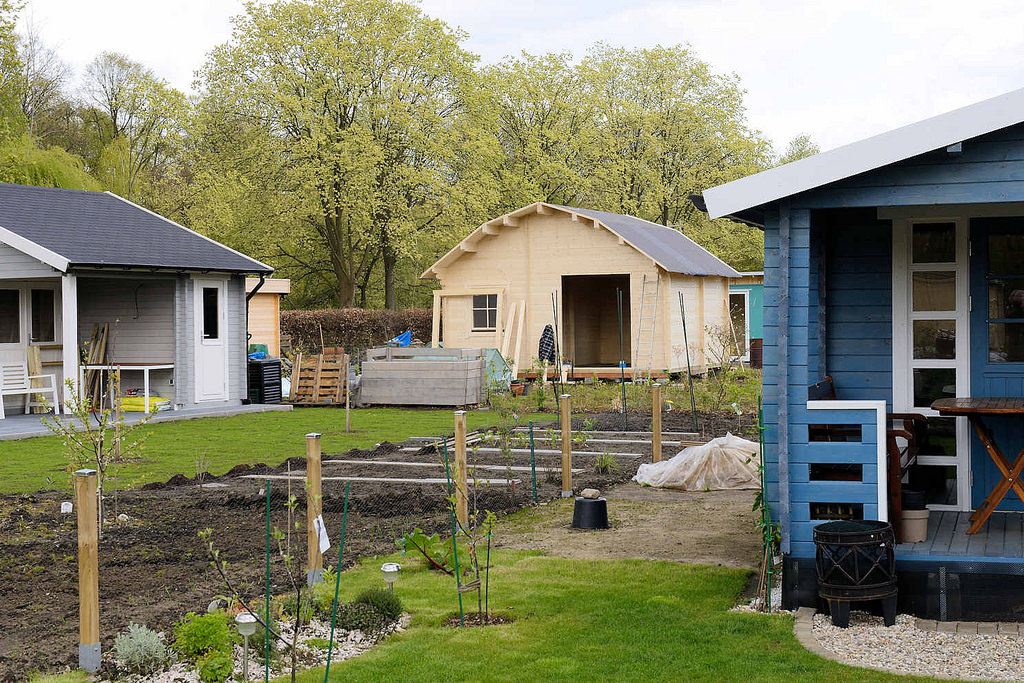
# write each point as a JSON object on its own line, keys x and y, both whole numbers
{"x": 887, "y": 148}
{"x": 668, "y": 247}
{"x": 69, "y": 228}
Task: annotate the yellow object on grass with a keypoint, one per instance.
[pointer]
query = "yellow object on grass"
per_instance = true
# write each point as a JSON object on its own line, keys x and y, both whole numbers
{"x": 137, "y": 404}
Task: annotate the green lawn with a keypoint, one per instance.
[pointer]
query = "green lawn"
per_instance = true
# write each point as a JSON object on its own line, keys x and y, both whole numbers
{"x": 587, "y": 620}
{"x": 173, "y": 447}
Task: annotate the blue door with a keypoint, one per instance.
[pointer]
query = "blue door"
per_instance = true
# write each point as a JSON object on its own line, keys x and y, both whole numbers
{"x": 997, "y": 341}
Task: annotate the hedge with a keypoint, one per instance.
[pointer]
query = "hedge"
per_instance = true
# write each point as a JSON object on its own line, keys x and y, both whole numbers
{"x": 354, "y": 328}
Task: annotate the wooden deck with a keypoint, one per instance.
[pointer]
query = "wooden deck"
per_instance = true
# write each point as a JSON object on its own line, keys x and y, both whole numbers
{"x": 1001, "y": 537}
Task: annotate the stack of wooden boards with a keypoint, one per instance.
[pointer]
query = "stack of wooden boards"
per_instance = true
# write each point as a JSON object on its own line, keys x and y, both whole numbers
{"x": 320, "y": 379}
{"x": 96, "y": 353}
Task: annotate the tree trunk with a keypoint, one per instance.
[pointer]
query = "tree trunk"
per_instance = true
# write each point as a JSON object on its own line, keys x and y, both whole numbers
{"x": 387, "y": 252}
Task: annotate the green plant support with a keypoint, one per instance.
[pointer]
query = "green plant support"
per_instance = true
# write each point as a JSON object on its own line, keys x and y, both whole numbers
{"x": 337, "y": 581}
{"x": 266, "y": 599}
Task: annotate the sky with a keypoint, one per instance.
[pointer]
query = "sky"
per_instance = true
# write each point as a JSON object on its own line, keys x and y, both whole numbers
{"x": 837, "y": 70}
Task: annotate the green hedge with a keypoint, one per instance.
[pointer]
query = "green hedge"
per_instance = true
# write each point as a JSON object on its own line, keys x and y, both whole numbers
{"x": 354, "y": 328}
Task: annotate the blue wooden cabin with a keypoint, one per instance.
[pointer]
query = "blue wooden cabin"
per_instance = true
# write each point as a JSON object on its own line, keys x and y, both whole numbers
{"x": 895, "y": 265}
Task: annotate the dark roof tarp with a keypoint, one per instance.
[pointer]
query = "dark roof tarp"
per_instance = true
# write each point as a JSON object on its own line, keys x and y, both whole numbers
{"x": 674, "y": 251}
{"x": 101, "y": 229}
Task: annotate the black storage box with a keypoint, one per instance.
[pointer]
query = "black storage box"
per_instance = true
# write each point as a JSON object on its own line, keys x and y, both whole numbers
{"x": 265, "y": 380}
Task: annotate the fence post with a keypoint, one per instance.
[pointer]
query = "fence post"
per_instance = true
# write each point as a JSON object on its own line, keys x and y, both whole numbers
{"x": 566, "y": 417}
{"x": 314, "y": 505}
{"x": 461, "y": 492}
{"x": 533, "y": 465}
{"x": 656, "y": 421}
{"x": 88, "y": 572}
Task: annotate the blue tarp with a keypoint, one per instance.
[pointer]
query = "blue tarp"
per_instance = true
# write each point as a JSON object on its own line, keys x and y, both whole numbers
{"x": 404, "y": 339}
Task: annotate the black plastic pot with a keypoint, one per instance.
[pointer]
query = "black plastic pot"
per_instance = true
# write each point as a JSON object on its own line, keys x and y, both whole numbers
{"x": 913, "y": 500}
{"x": 590, "y": 513}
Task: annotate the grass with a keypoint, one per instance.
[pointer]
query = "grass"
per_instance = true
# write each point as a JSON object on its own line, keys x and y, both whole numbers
{"x": 594, "y": 620}
{"x": 174, "y": 447}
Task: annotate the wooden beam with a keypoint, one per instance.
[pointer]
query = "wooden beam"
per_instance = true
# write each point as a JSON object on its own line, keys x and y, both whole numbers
{"x": 506, "y": 332}
{"x": 543, "y": 210}
{"x": 88, "y": 571}
{"x": 519, "y": 341}
{"x": 467, "y": 248}
{"x": 461, "y": 492}
{"x": 510, "y": 222}
{"x": 314, "y": 503}
{"x": 489, "y": 229}
{"x": 435, "y": 323}
{"x": 656, "y": 422}
{"x": 566, "y": 418}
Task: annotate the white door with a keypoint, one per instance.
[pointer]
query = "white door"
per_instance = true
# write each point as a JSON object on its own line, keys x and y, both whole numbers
{"x": 211, "y": 334}
{"x": 931, "y": 344}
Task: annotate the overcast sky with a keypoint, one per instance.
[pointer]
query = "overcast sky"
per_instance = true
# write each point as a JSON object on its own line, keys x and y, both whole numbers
{"x": 837, "y": 70}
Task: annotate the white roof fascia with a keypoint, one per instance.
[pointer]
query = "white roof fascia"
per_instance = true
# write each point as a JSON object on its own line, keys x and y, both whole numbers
{"x": 197, "y": 234}
{"x": 874, "y": 152}
{"x": 36, "y": 251}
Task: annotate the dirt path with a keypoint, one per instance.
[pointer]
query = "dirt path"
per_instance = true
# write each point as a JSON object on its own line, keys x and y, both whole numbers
{"x": 716, "y": 527}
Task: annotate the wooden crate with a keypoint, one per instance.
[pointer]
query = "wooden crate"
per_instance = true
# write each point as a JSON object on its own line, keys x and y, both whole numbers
{"x": 319, "y": 379}
{"x": 423, "y": 376}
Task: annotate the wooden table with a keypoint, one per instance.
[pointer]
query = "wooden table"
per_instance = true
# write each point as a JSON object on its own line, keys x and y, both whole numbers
{"x": 973, "y": 409}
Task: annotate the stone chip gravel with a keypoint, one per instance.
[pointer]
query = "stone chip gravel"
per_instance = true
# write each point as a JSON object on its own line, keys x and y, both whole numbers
{"x": 905, "y": 649}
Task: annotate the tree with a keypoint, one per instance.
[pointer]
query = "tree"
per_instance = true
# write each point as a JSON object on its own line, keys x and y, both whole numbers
{"x": 44, "y": 77}
{"x": 799, "y": 147}
{"x": 671, "y": 127}
{"x": 547, "y": 129}
{"x": 135, "y": 119}
{"x": 357, "y": 109}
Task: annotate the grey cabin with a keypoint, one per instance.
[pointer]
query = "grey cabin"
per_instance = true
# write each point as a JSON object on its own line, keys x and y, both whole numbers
{"x": 174, "y": 301}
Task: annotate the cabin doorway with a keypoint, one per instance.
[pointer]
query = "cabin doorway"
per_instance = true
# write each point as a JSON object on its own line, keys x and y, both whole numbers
{"x": 590, "y": 320}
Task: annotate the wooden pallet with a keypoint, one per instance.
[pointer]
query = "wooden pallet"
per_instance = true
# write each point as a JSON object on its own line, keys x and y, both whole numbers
{"x": 320, "y": 379}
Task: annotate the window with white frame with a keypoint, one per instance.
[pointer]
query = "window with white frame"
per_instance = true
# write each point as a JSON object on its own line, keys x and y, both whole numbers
{"x": 485, "y": 312}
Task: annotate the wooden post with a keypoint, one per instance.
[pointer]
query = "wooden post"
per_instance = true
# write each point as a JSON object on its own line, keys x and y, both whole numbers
{"x": 656, "y": 421}
{"x": 348, "y": 397}
{"x": 314, "y": 504}
{"x": 566, "y": 418}
{"x": 461, "y": 492}
{"x": 88, "y": 572}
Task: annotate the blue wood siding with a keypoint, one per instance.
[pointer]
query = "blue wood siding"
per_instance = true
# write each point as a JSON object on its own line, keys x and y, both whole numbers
{"x": 859, "y": 336}
{"x": 859, "y": 296}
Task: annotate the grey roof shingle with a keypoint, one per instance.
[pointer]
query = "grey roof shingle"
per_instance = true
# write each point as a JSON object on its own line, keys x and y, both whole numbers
{"x": 101, "y": 229}
{"x": 674, "y": 251}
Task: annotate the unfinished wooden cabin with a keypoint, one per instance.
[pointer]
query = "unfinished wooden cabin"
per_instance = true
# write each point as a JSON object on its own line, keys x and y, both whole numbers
{"x": 503, "y": 283}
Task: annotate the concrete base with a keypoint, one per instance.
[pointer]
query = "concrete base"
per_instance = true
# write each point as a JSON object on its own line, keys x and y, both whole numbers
{"x": 89, "y": 657}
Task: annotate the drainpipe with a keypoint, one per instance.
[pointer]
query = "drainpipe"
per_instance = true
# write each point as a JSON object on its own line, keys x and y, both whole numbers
{"x": 248, "y": 298}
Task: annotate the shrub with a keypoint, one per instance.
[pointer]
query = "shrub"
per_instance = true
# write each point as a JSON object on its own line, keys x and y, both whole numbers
{"x": 353, "y": 328}
{"x": 140, "y": 650}
{"x": 358, "y": 616}
{"x": 384, "y": 601}
{"x": 198, "y": 635}
{"x": 605, "y": 464}
{"x": 215, "y": 667}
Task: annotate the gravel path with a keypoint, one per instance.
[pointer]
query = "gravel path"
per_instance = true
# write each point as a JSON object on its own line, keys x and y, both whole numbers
{"x": 905, "y": 649}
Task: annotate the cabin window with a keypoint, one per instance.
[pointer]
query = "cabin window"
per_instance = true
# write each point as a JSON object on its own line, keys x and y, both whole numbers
{"x": 211, "y": 313}
{"x": 485, "y": 312}
{"x": 934, "y": 243}
{"x": 1005, "y": 298}
{"x": 935, "y": 339}
{"x": 10, "y": 316}
{"x": 44, "y": 328}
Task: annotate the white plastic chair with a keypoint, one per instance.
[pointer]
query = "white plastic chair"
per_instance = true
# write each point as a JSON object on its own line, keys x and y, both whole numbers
{"x": 15, "y": 381}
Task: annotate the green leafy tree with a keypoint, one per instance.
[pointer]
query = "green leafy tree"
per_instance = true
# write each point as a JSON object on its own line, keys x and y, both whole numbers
{"x": 360, "y": 114}
{"x": 799, "y": 147}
